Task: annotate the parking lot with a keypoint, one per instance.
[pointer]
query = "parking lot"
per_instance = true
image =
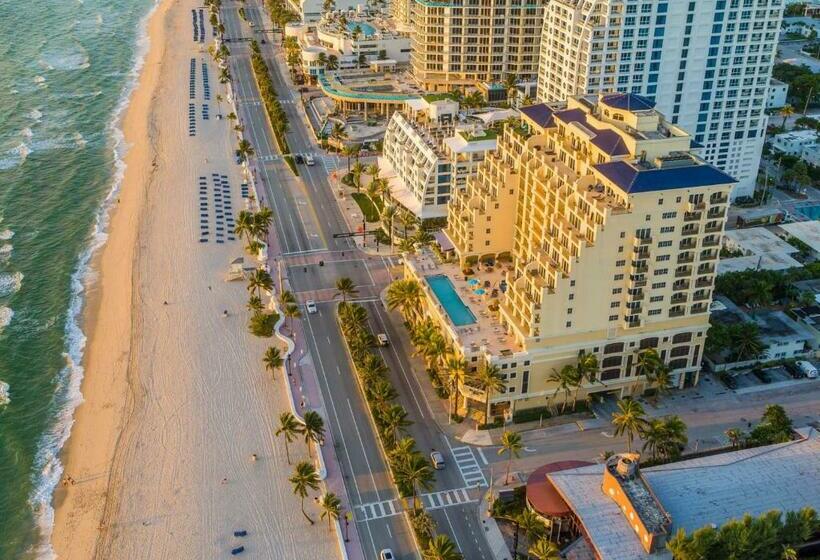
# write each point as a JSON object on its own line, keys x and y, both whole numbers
{"x": 739, "y": 380}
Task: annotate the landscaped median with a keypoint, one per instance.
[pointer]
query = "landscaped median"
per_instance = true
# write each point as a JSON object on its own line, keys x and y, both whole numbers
{"x": 409, "y": 469}
{"x": 273, "y": 108}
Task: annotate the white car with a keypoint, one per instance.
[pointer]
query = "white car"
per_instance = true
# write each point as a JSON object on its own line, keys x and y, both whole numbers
{"x": 386, "y": 554}
{"x": 807, "y": 369}
{"x": 311, "y": 306}
{"x": 382, "y": 340}
{"x": 309, "y": 160}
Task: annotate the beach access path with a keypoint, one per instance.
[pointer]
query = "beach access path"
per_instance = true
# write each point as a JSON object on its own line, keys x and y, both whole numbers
{"x": 176, "y": 398}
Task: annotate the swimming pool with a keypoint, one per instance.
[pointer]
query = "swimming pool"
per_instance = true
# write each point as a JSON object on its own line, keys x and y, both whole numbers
{"x": 811, "y": 212}
{"x": 366, "y": 28}
{"x": 459, "y": 313}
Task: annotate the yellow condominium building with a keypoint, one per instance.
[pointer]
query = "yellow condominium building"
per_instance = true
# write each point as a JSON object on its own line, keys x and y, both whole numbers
{"x": 591, "y": 230}
{"x": 456, "y": 43}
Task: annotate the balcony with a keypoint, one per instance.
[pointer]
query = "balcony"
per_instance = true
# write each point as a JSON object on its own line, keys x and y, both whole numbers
{"x": 711, "y": 242}
{"x": 685, "y": 258}
{"x": 642, "y": 241}
{"x": 637, "y": 297}
{"x": 716, "y": 213}
{"x": 689, "y": 230}
{"x": 683, "y": 273}
{"x": 705, "y": 282}
{"x": 680, "y": 285}
{"x": 677, "y": 312}
{"x": 708, "y": 256}
{"x": 632, "y": 321}
{"x": 678, "y": 298}
{"x": 706, "y": 269}
{"x": 719, "y": 198}
{"x": 699, "y": 308}
{"x": 713, "y": 228}
{"x": 639, "y": 269}
{"x": 637, "y": 282}
{"x": 692, "y": 216}
{"x": 701, "y": 296}
{"x": 687, "y": 244}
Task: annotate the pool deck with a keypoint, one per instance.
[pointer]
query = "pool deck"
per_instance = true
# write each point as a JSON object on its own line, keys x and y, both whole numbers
{"x": 486, "y": 332}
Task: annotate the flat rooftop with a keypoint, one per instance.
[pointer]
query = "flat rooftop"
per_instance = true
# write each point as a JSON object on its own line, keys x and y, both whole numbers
{"x": 768, "y": 251}
{"x": 807, "y": 232}
{"x": 699, "y": 491}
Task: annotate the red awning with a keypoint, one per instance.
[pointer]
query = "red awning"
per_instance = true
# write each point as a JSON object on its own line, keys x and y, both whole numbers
{"x": 542, "y": 495}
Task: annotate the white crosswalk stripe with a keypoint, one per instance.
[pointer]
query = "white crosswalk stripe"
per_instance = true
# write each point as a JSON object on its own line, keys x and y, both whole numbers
{"x": 433, "y": 500}
{"x": 446, "y": 498}
{"x": 467, "y": 463}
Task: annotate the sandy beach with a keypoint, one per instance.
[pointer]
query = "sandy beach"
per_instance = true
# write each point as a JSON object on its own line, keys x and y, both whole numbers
{"x": 175, "y": 395}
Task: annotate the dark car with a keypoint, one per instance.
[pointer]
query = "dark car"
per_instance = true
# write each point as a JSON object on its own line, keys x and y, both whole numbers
{"x": 299, "y": 159}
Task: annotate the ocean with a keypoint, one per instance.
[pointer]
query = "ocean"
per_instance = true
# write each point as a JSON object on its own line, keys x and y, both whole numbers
{"x": 66, "y": 69}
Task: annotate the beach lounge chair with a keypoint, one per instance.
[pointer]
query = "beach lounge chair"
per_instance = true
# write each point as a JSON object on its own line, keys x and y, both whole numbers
{"x": 242, "y": 533}
{"x": 237, "y": 550}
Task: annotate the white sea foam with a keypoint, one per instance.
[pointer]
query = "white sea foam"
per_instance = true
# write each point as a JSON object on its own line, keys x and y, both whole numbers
{"x": 40, "y": 80}
{"x": 10, "y": 283}
{"x": 70, "y": 377}
{"x": 35, "y": 115}
{"x": 6, "y": 314}
{"x": 65, "y": 58}
{"x": 6, "y": 234}
{"x": 15, "y": 157}
{"x": 26, "y": 132}
{"x": 5, "y": 252}
{"x": 5, "y": 394}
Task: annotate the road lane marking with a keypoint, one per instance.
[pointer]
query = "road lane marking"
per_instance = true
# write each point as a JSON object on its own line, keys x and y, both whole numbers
{"x": 481, "y": 454}
{"x": 468, "y": 466}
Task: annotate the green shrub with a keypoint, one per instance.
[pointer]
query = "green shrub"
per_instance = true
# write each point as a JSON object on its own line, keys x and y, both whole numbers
{"x": 369, "y": 210}
{"x": 292, "y": 164}
{"x": 261, "y": 324}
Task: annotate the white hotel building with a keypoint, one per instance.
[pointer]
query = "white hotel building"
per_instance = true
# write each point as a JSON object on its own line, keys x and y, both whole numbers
{"x": 705, "y": 63}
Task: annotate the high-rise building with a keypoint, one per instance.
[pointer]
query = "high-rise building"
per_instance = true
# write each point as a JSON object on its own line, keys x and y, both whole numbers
{"x": 456, "y": 43}
{"x": 428, "y": 153}
{"x": 707, "y": 64}
{"x": 592, "y": 230}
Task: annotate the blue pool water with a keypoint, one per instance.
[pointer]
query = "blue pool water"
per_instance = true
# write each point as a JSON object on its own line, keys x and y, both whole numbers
{"x": 459, "y": 313}
{"x": 367, "y": 29}
{"x": 811, "y": 212}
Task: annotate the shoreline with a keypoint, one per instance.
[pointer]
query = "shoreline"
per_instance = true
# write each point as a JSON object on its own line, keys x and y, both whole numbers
{"x": 88, "y": 454}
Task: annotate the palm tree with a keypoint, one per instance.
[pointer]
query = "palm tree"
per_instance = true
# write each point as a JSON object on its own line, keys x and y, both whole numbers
{"x": 564, "y": 380}
{"x": 543, "y": 549}
{"x": 511, "y": 445}
{"x": 304, "y": 479}
{"x": 382, "y": 392}
{"x": 407, "y": 220}
{"x": 423, "y": 522}
{"x": 224, "y": 76}
{"x": 350, "y": 150}
{"x": 456, "y": 368}
{"x": 416, "y": 472}
{"x": 510, "y": 83}
{"x": 388, "y": 214}
{"x": 531, "y": 524}
{"x": 331, "y": 508}
{"x": 286, "y": 298}
{"x": 262, "y": 221}
{"x": 291, "y": 312}
{"x": 786, "y": 112}
{"x": 654, "y": 437}
{"x": 629, "y": 420}
{"x": 345, "y": 288}
{"x": 441, "y": 547}
{"x": 488, "y": 379}
{"x": 255, "y": 304}
{"x": 244, "y": 150}
{"x": 675, "y": 437}
{"x": 338, "y": 131}
{"x": 357, "y": 171}
{"x": 402, "y": 451}
{"x": 736, "y": 437}
{"x": 395, "y": 420}
{"x": 273, "y": 359}
{"x": 407, "y": 295}
{"x": 260, "y": 280}
{"x": 663, "y": 380}
{"x": 407, "y": 246}
{"x": 313, "y": 430}
{"x": 332, "y": 62}
{"x": 322, "y": 59}
{"x": 648, "y": 364}
{"x": 289, "y": 427}
{"x": 373, "y": 170}
{"x": 244, "y": 224}
{"x": 746, "y": 341}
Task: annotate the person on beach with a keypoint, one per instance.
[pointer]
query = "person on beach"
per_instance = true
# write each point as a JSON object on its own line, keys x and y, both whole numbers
{"x": 253, "y": 457}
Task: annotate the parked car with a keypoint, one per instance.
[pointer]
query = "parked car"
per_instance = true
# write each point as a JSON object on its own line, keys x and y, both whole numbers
{"x": 386, "y": 554}
{"x": 793, "y": 370}
{"x": 311, "y": 306}
{"x": 382, "y": 340}
{"x": 309, "y": 160}
{"x": 299, "y": 159}
{"x": 437, "y": 459}
{"x": 807, "y": 368}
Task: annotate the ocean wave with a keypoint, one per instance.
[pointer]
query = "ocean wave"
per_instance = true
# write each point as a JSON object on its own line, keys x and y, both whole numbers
{"x": 70, "y": 377}
{"x": 6, "y": 234}
{"x": 35, "y": 115}
{"x": 26, "y": 132}
{"x": 81, "y": 95}
{"x": 6, "y": 315}
{"x": 40, "y": 80}
{"x": 65, "y": 59}
{"x": 5, "y": 252}
{"x": 10, "y": 283}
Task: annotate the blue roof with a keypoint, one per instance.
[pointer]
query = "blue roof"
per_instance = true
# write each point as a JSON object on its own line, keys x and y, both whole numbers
{"x": 634, "y": 180}
{"x": 610, "y": 142}
{"x": 540, "y": 114}
{"x": 628, "y": 101}
{"x": 572, "y": 115}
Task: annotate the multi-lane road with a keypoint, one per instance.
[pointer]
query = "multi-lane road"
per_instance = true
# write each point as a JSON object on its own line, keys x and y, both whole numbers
{"x": 306, "y": 216}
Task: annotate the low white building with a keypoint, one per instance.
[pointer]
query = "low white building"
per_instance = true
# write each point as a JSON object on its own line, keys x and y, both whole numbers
{"x": 778, "y": 93}
{"x": 350, "y": 41}
{"x": 311, "y": 10}
{"x": 793, "y": 143}
{"x": 428, "y": 152}
{"x": 805, "y": 26}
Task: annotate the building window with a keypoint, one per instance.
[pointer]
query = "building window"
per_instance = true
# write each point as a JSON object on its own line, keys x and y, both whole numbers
{"x": 616, "y": 291}
{"x": 569, "y": 324}
{"x": 613, "y": 317}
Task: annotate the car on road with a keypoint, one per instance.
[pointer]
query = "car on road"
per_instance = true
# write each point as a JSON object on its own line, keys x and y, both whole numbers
{"x": 382, "y": 340}
{"x": 299, "y": 159}
{"x": 311, "y": 306}
{"x": 386, "y": 554}
{"x": 309, "y": 160}
{"x": 807, "y": 369}
{"x": 438, "y": 460}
